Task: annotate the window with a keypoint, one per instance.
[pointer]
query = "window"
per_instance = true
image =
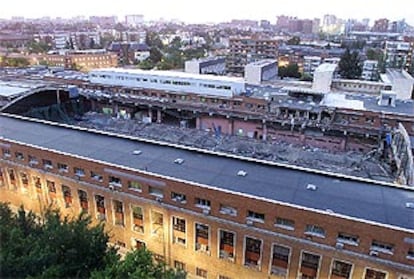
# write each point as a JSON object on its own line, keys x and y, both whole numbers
{"x": 137, "y": 219}
{"x": 62, "y": 167}
{"x": 12, "y": 177}
{"x": 309, "y": 265}
{"x": 158, "y": 258}
{"x": 202, "y": 238}
{"x": 374, "y": 274}
{"x": 52, "y": 189}
{"x": 33, "y": 160}
{"x": 286, "y": 224}
{"x": 340, "y": 270}
{"x": 257, "y": 217}
{"x": 19, "y": 156}
{"x": 202, "y": 203}
{"x": 252, "y": 252}
{"x": 382, "y": 247}
{"x": 315, "y": 231}
{"x": 6, "y": 153}
{"x": 280, "y": 260}
{"x": 119, "y": 212}
{"x": 157, "y": 223}
{"x": 139, "y": 244}
{"x": 79, "y": 172}
{"x": 177, "y": 197}
{"x": 1, "y": 178}
{"x": 25, "y": 179}
{"x": 134, "y": 185}
{"x": 47, "y": 164}
{"x": 83, "y": 200}
{"x": 37, "y": 183}
{"x": 115, "y": 181}
{"x": 228, "y": 210}
{"x": 410, "y": 254}
{"x": 179, "y": 230}
{"x": 156, "y": 192}
{"x": 223, "y": 277}
{"x": 179, "y": 265}
{"x": 226, "y": 243}
{"x": 100, "y": 207}
{"x": 348, "y": 239}
{"x": 96, "y": 176}
{"x": 67, "y": 196}
{"x": 201, "y": 272}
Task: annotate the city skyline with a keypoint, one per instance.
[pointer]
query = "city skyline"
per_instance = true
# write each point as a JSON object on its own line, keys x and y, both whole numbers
{"x": 215, "y": 11}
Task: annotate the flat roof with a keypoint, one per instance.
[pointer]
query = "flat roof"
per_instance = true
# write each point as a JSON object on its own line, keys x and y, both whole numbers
{"x": 353, "y": 198}
{"x": 171, "y": 74}
{"x": 16, "y": 88}
{"x": 326, "y": 67}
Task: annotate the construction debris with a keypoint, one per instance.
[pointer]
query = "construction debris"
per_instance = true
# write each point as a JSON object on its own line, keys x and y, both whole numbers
{"x": 348, "y": 163}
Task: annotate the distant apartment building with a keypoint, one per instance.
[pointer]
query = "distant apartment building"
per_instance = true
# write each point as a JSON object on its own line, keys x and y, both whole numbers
{"x": 130, "y": 52}
{"x": 310, "y": 63}
{"x": 14, "y": 40}
{"x": 244, "y": 50}
{"x": 209, "y": 65}
{"x": 104, "y": 20}
{"x": 370, "y": 70}
{"x": 260, "y": 71}
{"x": 81, "y": 60}
{"x": 398, "y": 54}
{"x": 296, "y": 25}
{"x": 381, "y": 25}
{"x": 134, "y": 20}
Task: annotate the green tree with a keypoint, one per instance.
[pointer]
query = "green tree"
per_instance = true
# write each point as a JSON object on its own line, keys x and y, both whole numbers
{"x": 295, "y": 40}
{"x": 350, "y": 66}
{"x": 155, "y": 55}
{"x": 138, "y": 264}
{"x": 378, "y": 55}
{"x": 53, "y": 246}
{"x": 50, "y": 246}
{"x": 38, "y": 47}
{"x": 153, "y": 40}
{"x": 291, "y": 70}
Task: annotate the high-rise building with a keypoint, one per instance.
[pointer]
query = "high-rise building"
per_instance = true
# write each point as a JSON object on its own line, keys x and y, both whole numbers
{"x": 244, "y": 50}
{"x": 381, "y": 25}
{"x": 134, "y": 20}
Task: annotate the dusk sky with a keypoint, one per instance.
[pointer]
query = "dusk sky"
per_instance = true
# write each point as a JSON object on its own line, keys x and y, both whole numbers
{"x": 192, "y": 11}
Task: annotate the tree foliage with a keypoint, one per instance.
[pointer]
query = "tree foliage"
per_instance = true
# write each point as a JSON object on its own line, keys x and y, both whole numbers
{"x": 138, "y": 264}
{"x": 295, "y": 40}
{"x": 350, "y": 66}
{"x": 53, "y": 246}
{"x": 291, "y": 70}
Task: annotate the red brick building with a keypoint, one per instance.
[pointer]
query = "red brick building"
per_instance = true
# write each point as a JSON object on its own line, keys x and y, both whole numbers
{"x": 213, "y": 215}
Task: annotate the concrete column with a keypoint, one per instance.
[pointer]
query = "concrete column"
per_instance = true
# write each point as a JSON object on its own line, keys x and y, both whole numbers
{"x": 231, "y": 127}
{"x": 58, "y": 97}
{"x": 264, "y": 132}
{"x": 159, "y": 118}
{"x": 150, "y": 113}
{"x": 198, "y": 123}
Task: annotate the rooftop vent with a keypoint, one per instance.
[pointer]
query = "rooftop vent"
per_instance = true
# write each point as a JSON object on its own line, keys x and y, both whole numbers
{"x": 409, "y": 205}
{"x": 241, "y": 173}
{"x": 311, "y": 187}
{"x": 179, "y": 161}
{"x": 137, "y": 152}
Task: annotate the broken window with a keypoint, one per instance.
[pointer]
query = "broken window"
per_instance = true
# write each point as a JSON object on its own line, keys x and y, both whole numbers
{"x": 309, "y": 266}
{"x": 119, "y": 212}
{"x": 252, "y": 252}
{"x": 137, "y": 219}
{"x": 100, "y": 206}
{"x": 226, "y": 243}
{"x": 179, "y": 230}
{"x": 67, "y": 196}
{"x": 202, "y": 238}
{"x": 341, "y": 270}
{"x": 280, "y": 260}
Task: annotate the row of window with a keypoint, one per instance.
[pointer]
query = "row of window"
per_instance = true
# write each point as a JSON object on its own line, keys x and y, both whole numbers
{"x": 162, "y": 81}
{"x": 252, "y": 217}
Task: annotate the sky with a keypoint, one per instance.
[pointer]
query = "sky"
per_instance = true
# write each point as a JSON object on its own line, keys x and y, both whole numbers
{"x": 192, "y": 11}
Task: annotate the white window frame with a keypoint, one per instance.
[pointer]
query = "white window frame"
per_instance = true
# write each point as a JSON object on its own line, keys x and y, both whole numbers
{"x": 271, "y": 258}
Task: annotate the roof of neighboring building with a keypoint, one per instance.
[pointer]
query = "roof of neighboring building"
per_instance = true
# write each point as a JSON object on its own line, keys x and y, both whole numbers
{"x": 12, "y": 89}
{"x": 347, "y": 197}
{"x": 171, "y": 74}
